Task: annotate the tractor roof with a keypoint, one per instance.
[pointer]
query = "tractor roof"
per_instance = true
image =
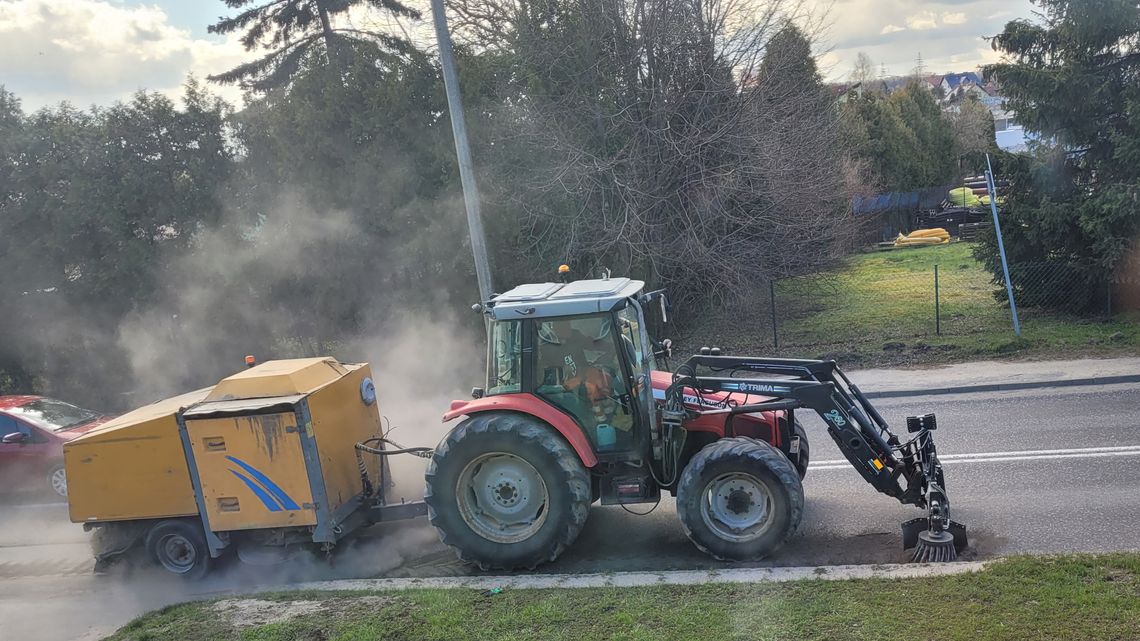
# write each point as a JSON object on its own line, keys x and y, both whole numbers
{"x": 542, "y": 300}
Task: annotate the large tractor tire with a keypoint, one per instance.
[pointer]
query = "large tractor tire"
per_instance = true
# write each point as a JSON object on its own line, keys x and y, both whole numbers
{"x": 505, "y": 491}
{"x": 740, "y": 499}
{"x": 804, "y": 457}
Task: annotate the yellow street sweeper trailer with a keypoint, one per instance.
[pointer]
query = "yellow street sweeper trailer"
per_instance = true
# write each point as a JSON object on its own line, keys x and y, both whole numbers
{"x": 266, "y": 458}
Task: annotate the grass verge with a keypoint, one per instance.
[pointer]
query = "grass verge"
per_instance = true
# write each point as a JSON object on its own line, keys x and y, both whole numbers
{"x": 880, "y": 310}
{"x": 1070, "y": 597}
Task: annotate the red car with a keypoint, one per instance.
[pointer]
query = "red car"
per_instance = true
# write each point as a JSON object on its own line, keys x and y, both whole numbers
{"x": 33, "y": 430}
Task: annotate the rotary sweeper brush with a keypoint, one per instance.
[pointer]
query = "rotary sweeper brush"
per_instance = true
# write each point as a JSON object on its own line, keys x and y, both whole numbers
{"x": 574, "y": 411}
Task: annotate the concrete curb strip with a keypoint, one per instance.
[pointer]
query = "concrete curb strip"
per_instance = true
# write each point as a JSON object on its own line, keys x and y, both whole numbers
{"x": 1007, "y": 387}
{"x": 672, "y": 577}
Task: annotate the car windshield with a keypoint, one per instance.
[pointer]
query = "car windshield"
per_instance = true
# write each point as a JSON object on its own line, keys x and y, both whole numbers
{"x": 53, "y": 415}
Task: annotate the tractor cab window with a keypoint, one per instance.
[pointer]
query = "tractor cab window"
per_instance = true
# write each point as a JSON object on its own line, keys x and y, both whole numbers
{"x": 629, "y": 324}
{"x": 578, "y": 369}
{"x": 504, "y": 368}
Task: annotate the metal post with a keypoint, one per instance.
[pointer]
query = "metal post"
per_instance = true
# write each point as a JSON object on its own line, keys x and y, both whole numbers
{"x": 463, "y": 152}
{"x": 937, "y": 308}
{"x": 772, "y": 300}
{"x": 1001, "y": 245}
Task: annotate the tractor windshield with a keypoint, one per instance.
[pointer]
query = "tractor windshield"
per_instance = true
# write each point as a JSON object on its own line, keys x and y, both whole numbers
{"x": 629, "y": 323}
{"x": 504, "y": 368}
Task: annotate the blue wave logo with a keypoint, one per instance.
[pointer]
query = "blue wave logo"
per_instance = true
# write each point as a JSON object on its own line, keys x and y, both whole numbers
{"x": 271, "y": 495}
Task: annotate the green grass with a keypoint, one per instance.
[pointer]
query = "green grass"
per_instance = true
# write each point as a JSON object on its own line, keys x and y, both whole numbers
{"x": 880, "y": 310}
{"x": 1072, "y": 597}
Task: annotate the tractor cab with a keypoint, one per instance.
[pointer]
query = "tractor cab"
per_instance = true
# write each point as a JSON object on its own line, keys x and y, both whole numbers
{"x": 582, "y": 348}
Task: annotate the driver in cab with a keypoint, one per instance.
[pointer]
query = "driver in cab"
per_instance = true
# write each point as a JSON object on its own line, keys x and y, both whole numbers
{"x": 578, "y": 355}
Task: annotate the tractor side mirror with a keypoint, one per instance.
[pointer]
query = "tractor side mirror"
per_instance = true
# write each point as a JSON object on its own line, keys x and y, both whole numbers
{"x": 15, "y": 438}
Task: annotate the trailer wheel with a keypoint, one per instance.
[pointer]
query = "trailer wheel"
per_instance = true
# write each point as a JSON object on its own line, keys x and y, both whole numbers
{"x": 805, "y": 450}
{"x": 180, "y": 547}
{"x": 505, "y": 491}
{"x": 740, "y": 499}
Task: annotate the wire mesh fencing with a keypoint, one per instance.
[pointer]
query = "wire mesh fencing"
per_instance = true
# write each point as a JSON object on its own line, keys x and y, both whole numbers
{"x": 897, "y": 305}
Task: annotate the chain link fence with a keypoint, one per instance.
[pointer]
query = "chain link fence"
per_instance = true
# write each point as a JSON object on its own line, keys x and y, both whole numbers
{"x": 899, "y": 304}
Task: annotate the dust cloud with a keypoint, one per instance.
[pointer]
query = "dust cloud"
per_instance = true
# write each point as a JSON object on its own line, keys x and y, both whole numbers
{"x": 269, "y": 288}
{"x": 419, "y": 368}
{"x": 236, "y": 293}
{"x": 233, "y": 295}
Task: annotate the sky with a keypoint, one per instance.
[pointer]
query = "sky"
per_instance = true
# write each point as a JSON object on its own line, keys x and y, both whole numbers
{"x": 95, "y": 52}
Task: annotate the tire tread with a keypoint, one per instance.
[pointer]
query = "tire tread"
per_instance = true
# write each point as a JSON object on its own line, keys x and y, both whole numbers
{"x": 524, "y": 428}
{"x": 760, "y": 452}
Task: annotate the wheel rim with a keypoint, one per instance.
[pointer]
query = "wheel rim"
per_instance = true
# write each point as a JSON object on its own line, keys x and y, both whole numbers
{"x": 502, "y": 498}
{"x": 59, "y": 482}
{"x": 737, "y": 507}
{"x": 177, "y": 553}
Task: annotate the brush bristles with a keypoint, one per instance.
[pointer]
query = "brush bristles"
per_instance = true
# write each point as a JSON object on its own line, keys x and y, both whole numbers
{"x": 926, "y": 552}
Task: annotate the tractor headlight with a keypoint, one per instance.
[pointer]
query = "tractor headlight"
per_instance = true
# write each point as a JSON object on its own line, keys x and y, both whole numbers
{"x": 367, "y": 391}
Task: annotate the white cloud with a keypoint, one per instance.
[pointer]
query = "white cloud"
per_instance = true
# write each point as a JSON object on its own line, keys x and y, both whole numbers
{"x": 946, "y": 42}
{"x": 99, "y": 51}
{"x": 954, "y": 18}
{"x": 96, "y": 51}
{"x": 923, "y": 21}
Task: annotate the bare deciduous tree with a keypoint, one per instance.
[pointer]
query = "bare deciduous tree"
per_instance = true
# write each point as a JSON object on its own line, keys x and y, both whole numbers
{"x": 678, "y": 138}
{"x": 973, "y": 127}
{"x": 864, "y": 69}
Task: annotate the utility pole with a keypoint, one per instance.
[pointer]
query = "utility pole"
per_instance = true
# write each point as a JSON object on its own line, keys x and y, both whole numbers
{"x": 991, "y": 186}
{"x": 463, "y": 152}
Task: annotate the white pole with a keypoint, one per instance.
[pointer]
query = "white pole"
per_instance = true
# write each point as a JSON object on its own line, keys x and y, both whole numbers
{"x": 463, "y": 151}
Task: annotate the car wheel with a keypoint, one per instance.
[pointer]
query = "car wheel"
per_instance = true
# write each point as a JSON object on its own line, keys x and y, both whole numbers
{"x": 57, "y": 480}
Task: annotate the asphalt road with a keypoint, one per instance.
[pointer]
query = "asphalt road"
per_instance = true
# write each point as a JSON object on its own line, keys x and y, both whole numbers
{"x": 1075, "y": 490}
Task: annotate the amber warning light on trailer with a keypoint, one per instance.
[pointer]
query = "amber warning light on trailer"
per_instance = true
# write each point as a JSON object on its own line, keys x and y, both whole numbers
{"x": 250, "y": 361}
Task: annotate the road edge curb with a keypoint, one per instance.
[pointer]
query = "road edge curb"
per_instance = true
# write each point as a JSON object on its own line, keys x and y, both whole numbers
{"x": 667, "y": 577}
{"x": 1008, "y": 387}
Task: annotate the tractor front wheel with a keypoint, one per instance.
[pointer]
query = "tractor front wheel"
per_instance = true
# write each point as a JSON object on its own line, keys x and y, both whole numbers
{"x": 804, "y": 455}
{"x": 740, "y": 499}
{"x": 505, "y": 491}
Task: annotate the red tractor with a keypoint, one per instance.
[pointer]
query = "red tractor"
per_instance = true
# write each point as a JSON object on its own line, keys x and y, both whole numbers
{"x": 575, "y": 410}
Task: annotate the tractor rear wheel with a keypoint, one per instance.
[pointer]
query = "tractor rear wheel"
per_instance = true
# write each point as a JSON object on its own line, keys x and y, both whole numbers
{"x": 740, "y": 499}
{"x": 505, "y": 491}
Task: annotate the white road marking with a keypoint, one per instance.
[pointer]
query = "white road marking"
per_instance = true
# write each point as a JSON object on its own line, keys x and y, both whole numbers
{"x": 996, "y": 457}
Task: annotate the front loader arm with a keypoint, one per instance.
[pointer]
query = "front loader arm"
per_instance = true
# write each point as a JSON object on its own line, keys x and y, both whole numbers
{"x": 908, "y": 471}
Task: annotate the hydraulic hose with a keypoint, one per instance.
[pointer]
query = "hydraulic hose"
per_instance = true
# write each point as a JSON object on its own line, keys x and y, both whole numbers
{"x": 422, "y": 452}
